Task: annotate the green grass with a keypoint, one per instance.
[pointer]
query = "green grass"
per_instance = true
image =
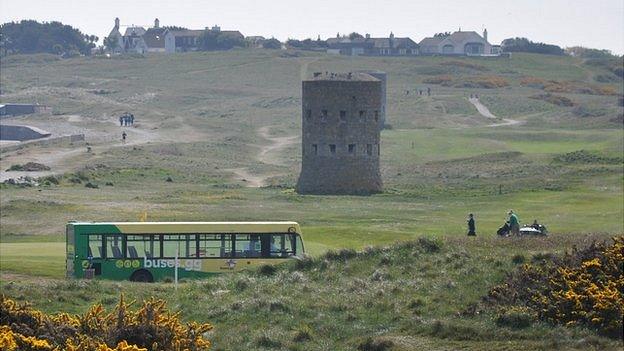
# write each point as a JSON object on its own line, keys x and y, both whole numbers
{"x": 440, "y": 161}
{"x": 410, "y": 293}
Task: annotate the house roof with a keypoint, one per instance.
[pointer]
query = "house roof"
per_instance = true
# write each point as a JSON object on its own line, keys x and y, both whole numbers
{"x": 134, "y": 31}
{"x": 431, "y": 41}
{"x": 187, "y": 32}
{"x": 155, "y": 37}
{"x": 461, "y": 37}
{"x": 394, "y": 43}
{"x": 198, "y": 32}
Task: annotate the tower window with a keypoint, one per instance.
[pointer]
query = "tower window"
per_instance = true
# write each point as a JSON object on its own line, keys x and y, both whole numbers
{"x": 369, "y": 149}
{"x": 332, "y": 149}
{"x": 378, "y": 150}
{"x": 351, "y": 148}
{"x": 309, "y": 114}
{"x": 315, "y": 149}
{"x": 362, "y": 116}
{"x": 343, "y": 116}
{"x": 376, "y": 116}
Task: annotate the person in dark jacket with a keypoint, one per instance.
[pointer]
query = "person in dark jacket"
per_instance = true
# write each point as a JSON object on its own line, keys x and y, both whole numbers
{"x": 471, "y": 225}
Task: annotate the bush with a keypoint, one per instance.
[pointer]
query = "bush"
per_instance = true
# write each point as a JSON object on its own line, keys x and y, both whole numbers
{"x": 429, "y": 245}
{"x": 304, "y": 333}
{"x": 518, "y": 258}
{"x": 514, "y": 317}
{"x": 554, "y": 99}
{"x": 151, "y": 326}
{"x": 91, "y": 185}
{"x": 267, "y": 270}
{"x": 582, "y": 288}
{"x": 371, "y": 344}
{"x": 272, "y": 44}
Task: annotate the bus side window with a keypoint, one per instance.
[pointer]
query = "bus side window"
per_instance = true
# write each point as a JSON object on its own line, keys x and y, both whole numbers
{"x": 95, "y": 246}
{"x": 114, "y": 246}
{"x": 215, "y": 245}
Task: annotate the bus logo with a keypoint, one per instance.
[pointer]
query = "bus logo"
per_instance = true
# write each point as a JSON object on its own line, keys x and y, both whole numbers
{"x": 187, "y": 265}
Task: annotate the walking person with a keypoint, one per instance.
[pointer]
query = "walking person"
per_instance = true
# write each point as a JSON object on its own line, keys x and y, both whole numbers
{"x": 428, "y": 91}
{"x": 121, "y": 121}
{"x": 131, "y": 119}
{"x": 471, "y": 225}
{"x": 123, "y": 137}
{"x": 514, "y": 223}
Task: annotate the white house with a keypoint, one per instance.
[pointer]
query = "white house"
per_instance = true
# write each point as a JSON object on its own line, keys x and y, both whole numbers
{"x": 459, "y": 43}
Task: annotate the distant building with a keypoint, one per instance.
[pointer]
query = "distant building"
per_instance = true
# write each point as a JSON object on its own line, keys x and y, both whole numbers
{"x": 390, "y": 46}
{"x": 138, "y": 40}
{"x": 154, "y": 38}
{"x": 459, "y": 43}
{"x": 188, "y": 40}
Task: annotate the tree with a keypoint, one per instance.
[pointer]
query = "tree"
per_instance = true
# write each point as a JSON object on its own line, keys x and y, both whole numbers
{"x": 355, "y": 35}
{"x": 28, "y": 37}
{"x": 213, "y": 40}
{"x": 525, "y": 45}
{"x": 272, "y": 44}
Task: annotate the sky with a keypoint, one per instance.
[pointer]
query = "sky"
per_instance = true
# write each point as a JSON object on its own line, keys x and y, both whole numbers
{"x": 589, "y": 23}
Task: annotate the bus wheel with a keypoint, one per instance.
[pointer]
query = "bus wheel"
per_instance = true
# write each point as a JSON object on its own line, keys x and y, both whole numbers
{"x": 142, "y": 275}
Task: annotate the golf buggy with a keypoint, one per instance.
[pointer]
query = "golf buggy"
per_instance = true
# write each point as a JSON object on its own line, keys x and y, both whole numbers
{"x": 533, "y": 229}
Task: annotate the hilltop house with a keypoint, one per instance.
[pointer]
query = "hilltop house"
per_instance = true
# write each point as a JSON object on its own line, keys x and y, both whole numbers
{"x": 390, "y": 46}
{"x": 459, "y": 43}
{"x": 137, "y": 39}
{"x": 188, "y": 40}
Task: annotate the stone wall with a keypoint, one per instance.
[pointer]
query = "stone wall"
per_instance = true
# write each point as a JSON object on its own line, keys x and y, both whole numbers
{"x": 340, "y": 136}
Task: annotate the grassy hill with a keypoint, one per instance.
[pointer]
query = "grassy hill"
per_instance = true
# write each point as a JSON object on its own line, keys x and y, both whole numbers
{"x": 420, "y": 294}
{"x": 210, "y": 127}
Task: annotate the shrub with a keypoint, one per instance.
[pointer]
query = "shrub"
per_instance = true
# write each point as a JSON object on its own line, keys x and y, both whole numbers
{"x": 582, "y": 288}
{"x": 429, "y": 245}
{"x": 442, "y": 80}
{"x": 371, "y": 344}
{"x": 267, "y": 270}
{"x": 553, "y": 99}
{"x": 514, "y": 317}
{"x": 91, "y": 185}
{"x": 518, "y": 258}
{"x": 151, "y": 326}
{"x": 304, "y": 333}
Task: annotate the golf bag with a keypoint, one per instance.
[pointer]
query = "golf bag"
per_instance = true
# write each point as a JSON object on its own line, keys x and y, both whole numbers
{"x": 504, "y": 230}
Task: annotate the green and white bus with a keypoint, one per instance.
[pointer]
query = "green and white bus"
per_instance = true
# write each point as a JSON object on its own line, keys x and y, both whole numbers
{"x": 148, "y": 251}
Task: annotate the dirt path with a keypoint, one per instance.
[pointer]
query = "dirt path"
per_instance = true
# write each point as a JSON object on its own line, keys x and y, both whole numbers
{"x": 268, "y": 155}
{"x": 64, "y": 159}
{"x": 485, "y": 112}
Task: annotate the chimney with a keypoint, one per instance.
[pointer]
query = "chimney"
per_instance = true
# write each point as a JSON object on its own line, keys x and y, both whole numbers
{"x": 117, "y": 22}
{"x": 216, "y": 28}
{"x": 485, "y": 34}
{"x": 156, "y": 23}
{"x": 367, "y": 36}
{"x": 391, "y": 35}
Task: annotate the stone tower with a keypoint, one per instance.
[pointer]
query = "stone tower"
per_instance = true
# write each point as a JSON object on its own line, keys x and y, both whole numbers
{"x": 382, "y": 76}
{"x": 341, "y": 115}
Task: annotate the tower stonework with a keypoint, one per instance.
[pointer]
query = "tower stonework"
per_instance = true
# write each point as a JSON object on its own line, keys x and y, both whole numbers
{"x": 341, "y": 115}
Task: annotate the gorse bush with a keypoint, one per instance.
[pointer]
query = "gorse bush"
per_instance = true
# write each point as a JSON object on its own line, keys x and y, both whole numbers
{"x": 585, "y": 288}
{"x": 150, "y": 327}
